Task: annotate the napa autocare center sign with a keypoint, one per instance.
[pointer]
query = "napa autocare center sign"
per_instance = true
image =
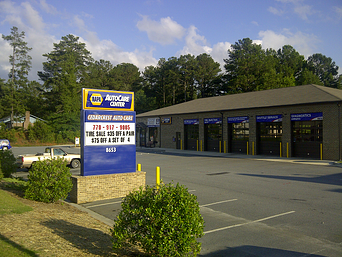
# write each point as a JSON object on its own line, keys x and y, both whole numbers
{"x": 108, "y": 132}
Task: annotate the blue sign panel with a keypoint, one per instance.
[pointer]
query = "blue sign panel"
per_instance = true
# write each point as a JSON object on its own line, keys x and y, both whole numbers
{"x": 213, "y": 121}
{"x": 307, "y": 116}
{"x": 191, "y": 122}
{"x": 243, "y": 119}
{"x": 108, "y": 100}
{"x": 108, "y": 144}
{"x": 269, "y": 118}
{"x": 166, "y": 121}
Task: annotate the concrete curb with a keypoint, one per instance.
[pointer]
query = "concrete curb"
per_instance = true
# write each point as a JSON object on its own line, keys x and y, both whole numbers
{"x": 95, "y": 215}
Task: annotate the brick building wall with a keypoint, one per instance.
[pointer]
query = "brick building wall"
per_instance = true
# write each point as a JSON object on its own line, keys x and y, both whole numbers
{"x": 331, "y": 126}
{"x": 101, "y": 187}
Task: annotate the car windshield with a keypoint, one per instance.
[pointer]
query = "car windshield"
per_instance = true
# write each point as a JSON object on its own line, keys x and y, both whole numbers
{"x": 58, "y": 152}
{"x": 4, "y": 142}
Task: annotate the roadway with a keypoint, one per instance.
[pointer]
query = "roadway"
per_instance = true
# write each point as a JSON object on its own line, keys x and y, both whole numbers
{"x": 252, "y": 205}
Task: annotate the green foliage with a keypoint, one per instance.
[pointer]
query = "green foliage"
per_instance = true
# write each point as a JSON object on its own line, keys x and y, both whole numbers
{"x": 20, "y": 62}
{"x": 7, "y": 163}
{"x": 9, "y": 204}
{"x": 325, "y": 68}
{"x": 49, "y": 181}
{"x": 15, "y": 183}
{"x": 40, "y": 131}
{"x": 69, "y": 67}
{"x": 163, "y": 222}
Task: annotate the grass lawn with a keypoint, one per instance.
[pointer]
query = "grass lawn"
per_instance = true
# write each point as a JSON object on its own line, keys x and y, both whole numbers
{"x": 9, "y": 248}
{"x": 9, "y": 205}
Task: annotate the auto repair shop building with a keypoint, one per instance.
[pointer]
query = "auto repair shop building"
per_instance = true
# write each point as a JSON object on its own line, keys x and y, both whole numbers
{"x": 301, "y": 121}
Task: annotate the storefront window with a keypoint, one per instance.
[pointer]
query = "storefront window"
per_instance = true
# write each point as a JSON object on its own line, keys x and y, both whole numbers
{"x": 240, "y": 131}
{"x": 306, "y": 131}
{"x": 270, "y": 131}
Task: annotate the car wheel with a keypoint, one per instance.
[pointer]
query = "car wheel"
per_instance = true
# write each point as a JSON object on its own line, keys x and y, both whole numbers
{"x": 4, "y": 148}
{"x": 31, "y": 165}
{"x": 75, "y": 163}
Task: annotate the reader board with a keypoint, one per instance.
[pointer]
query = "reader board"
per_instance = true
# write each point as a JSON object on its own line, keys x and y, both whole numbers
{"x": 107, "y": 136}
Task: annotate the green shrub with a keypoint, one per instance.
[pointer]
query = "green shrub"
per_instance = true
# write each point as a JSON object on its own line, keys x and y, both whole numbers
{"x": 1, "y": 174}
{"x": 18, "y": 184}
{"x": 7, "y": 163}
{"x": 40, "y": 131}
{"x": 163, "y": 222}
{"x": 48, "y": 181}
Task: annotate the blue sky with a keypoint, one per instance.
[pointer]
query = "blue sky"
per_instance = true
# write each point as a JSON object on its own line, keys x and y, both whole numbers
{"x": 143, "y": 31}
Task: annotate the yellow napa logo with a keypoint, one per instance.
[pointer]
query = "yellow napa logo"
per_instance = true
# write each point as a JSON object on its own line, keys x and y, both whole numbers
{"x": 96, "y": 99}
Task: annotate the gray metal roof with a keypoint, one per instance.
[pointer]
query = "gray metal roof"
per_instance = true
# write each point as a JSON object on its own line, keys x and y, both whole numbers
{"x": 306, "y": 94}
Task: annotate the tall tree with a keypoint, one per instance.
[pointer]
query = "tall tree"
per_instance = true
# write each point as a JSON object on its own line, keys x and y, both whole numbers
{"x": 125, "y": 77}
{"x": 206, "y": 75}
{"x": 63, "y": 71}
{"x": 20, "y": 62}
{"x": 251, "y": 68}
{"x": 290, "y": 61}
{"x": 187, "y": 66}
{"x": 244, "y": 66}
{"x": 290, "y": 65}
{"x": 2, "y": 95}
{"x": 325, "y": 69}
{"x": 150, "y": 85}
{"x": 98, "y": 75}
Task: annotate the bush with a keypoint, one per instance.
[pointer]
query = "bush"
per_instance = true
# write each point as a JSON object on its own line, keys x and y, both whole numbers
{"x": 48, "y": 181}
{"x": 40, "y": 131}
{"x": 163, "y": 222}
{"x": 18, "y": 184}
{"x": 1, "y": 174}
{"x": 7, "y": 163}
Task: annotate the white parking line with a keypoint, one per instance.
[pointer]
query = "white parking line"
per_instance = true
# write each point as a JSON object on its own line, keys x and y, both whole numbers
{"x": 91, "y": 206}
{"x": 225, "y": 201}
{"x": 247, "y": 223}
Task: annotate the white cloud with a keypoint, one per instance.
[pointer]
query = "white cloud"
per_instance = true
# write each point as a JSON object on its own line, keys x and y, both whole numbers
{"x": 305, "y": 44}
{"x": 338, "y": 10}
{"x": 220, "y": 52}
{"x": 304, "y": 11}
{"x": 11, "y": 13}
{"x": 109, "y": 51}
{"x": 4, "y": 58}
{"x": 196, "y": 44}
{"x": 275, "y": 11}
{"x": 257, "y": 42}
{"x": 290, "y": 1}
{"x": 297, "y": 6}
{"x": 255, "y": 23}
{"x": 31, "y": 17}
{"x": 164, "y": 32}
{"x": 48, "y": 8}
{"x": 27, "y": 19}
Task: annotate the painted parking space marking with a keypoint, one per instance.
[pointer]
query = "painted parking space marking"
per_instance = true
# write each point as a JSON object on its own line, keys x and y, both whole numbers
{"x": 205, "y": 205}
{"x": 247, "y": 223}
{"x": 225, "y": 201}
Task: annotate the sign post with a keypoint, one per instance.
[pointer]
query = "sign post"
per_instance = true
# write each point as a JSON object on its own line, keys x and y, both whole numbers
{"x": 107, "y": 147}
{"x": 107, "y": 132}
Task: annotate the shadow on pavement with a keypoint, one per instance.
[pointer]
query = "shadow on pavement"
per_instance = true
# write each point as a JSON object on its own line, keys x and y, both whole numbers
{"x": 255, "y": 251}
{"x": 332, "y": 179}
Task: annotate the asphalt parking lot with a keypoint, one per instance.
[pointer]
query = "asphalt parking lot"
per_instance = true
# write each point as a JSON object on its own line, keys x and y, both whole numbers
{"x": 252, "y": 206}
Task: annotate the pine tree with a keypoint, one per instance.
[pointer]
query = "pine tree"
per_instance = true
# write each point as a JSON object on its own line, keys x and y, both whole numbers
{"x": 20, "y": 62}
